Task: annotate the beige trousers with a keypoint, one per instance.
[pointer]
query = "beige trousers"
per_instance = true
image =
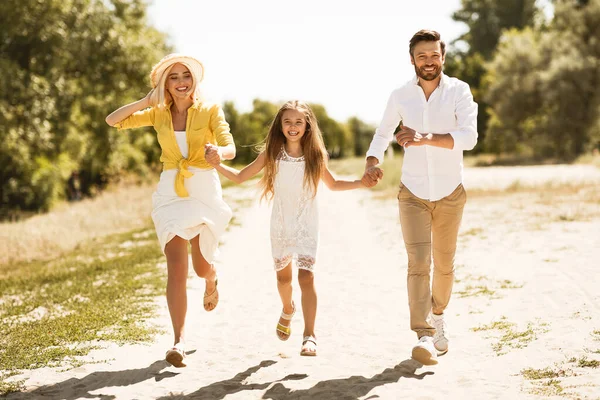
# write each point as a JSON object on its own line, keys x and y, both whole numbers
{"x": 426, "y": 226}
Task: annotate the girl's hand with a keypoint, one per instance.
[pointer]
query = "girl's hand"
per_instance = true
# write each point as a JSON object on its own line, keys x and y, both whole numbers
{"x": 212, "y": 154}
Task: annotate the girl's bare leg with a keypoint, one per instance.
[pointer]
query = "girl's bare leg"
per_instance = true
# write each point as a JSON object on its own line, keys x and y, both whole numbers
{"x": 177, "y": 269}
{"x": 284, "y": 286}
{"x": 309, "y": 300}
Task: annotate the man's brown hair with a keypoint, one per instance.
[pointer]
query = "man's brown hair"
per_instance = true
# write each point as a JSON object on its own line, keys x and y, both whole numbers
{"x": 426, "y": 35}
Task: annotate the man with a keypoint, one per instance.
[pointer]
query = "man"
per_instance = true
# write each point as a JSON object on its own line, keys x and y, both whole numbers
{"x": 438, "y": 121}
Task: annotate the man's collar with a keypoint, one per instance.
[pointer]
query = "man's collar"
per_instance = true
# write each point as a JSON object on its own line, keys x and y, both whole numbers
{"x": 443, "y": 80}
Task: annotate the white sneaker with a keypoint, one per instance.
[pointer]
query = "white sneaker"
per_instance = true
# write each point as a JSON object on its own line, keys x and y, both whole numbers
{"x": 440, "y": 339}
{"x": 424, "y": 351}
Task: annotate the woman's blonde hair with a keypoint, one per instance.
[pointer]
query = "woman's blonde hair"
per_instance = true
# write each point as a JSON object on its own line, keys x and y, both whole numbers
{"x": 315, "y": 154}
{"x": 160, "y": 73}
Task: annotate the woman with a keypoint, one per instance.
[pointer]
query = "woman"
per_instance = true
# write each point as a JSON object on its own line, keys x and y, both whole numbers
{"x": 188, "y": 203}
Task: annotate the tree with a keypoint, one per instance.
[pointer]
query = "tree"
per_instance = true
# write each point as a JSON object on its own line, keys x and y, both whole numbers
{"x": 362, "y": 134}
{"x": 66, "y": 64}
{"x": 486, "y": 21}
{"x": 543, "y": 85}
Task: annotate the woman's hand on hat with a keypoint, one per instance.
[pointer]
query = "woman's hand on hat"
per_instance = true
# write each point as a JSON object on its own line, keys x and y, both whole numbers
{"x": 147, "y": 98}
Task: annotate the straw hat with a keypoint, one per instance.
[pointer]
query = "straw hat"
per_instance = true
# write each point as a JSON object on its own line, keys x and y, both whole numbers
{"x": 193, "y": 65}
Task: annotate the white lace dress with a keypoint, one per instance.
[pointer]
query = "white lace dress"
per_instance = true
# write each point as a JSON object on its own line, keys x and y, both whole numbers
{"x": 295, "y": 217}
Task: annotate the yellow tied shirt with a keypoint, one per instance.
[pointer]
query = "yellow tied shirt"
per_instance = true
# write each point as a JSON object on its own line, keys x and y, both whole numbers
{"x": 205, "y": 124}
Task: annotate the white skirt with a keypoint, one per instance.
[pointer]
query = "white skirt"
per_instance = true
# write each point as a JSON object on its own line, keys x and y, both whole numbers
{"x": 203, "y": 213}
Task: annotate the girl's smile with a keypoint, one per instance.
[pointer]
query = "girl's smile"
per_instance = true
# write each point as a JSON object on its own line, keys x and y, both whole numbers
{"x": 293, "y": 125}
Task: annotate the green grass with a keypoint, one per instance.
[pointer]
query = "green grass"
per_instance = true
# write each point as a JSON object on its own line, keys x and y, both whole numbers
{"x": 477, "y": 290}
{"x": 472, "y": 286}
{"x": 546, "y": 373}
{"x": 54, "y": 312}
{"x": 584, "y": 362}
{"x": 510, "y": 338}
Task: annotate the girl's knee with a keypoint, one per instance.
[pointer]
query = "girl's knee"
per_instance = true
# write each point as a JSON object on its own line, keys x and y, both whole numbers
{"x": 284, "y": 279}
{"x": 305, "y": 277}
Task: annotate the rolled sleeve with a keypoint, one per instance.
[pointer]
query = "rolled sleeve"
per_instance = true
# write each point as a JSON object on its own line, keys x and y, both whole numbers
{"x": 220, "y": 127}
{"x": 384, "y": 134}
{"x": 137, "y": 119}
{"x": 465, "y": 136}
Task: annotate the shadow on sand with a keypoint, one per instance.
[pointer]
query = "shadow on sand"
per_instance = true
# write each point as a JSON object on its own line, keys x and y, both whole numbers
{"x": 75, "y": 388}
{"x": 352, "y": 387}
{"x": 349, "y": 388}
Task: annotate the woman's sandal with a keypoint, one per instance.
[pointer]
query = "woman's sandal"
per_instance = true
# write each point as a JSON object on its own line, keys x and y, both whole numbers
{"x": 212, "y": 298}
{"x": 175, "y": 356}
{"x": 286, "y": 330}
{"x": 308, "y": 350}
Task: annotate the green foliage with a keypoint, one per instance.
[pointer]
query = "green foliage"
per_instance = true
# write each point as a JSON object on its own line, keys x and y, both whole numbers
{"x": 542, "y": 86}
{"x": 362, "y": 134}
{"x": 66, "y": 64}
{"x": 250, "y": 130}
{"x": 486, "y": 21}
{"x": 336, "y": 136}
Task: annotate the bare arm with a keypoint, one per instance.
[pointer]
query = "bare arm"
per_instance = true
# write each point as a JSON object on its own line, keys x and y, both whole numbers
{"x": 120, "y": 114}
{"x": 238, "y": 176}
{"x": 372, "y": 173}
{"x": 338, "y": 184}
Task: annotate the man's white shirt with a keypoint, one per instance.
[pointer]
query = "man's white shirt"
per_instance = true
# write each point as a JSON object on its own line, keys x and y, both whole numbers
{"x": 430, "y": 172}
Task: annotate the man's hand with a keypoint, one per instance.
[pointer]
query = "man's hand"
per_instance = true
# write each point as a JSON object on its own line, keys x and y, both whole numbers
{"x": 407, "y": 137}
{"x": 372, "y": 176}
{"x": 212, "y": 155}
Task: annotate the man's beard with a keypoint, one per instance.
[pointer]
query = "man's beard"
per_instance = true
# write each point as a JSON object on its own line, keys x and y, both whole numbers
{"x": 428, "y": 76}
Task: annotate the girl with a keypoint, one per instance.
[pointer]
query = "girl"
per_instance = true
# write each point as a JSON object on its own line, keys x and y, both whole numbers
{"x": 294, "y": 159}
{"x": 187, "y": 204}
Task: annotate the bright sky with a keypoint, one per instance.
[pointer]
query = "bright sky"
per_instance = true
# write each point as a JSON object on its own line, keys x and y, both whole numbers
{"x": 346, "y": 55}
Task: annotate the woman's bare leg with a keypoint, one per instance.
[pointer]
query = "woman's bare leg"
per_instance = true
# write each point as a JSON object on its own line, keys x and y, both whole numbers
{"x": 203, "y": 268}
{"x": 177, "y": 269}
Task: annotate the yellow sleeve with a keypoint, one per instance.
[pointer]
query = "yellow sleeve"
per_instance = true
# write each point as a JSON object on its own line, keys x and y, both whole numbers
{"x": 137, "y": 119}
{"x": 220, "y": 127}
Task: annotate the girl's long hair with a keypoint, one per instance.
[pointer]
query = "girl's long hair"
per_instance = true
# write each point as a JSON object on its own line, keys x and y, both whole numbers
{"x": 315, "y": 154}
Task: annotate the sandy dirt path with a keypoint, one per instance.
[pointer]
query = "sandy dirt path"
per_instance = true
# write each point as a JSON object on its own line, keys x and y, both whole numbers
{"x": 527, "y": 266}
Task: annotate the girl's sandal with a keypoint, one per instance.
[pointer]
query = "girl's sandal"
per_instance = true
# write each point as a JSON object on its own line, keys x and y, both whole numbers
{"x": 176, "y": 355}
{"x": 286, "y": 330}
{"x": 211, "y": 299}
{"x": 307, "y": 348}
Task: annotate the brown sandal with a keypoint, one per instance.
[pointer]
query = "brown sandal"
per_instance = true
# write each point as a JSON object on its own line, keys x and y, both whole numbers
{"x": 212, "y": 298}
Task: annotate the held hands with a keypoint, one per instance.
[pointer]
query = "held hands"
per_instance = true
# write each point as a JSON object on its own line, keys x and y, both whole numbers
{"x": 407, "y": 137}
{"x": 372, "y": 176}
{"x": 212, "y": 154}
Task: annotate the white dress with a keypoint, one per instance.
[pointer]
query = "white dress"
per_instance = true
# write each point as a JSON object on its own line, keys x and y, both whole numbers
{"x": 295, "y": 217}
{"x": 203, "y": 213}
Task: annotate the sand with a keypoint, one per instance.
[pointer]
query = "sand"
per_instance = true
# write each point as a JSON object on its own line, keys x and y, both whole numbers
{"x": 522, "y": 259}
